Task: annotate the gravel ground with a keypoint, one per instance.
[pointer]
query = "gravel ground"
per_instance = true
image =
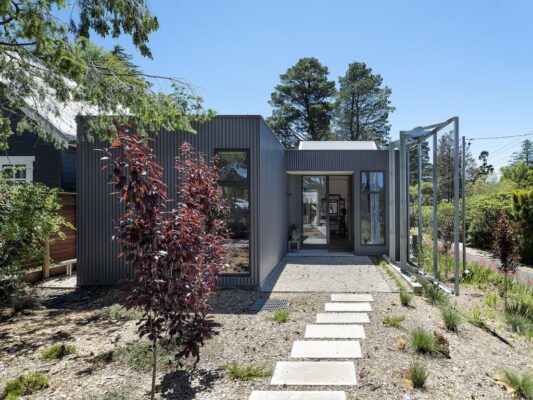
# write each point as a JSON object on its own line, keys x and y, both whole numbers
{"x": 249, "y": 339}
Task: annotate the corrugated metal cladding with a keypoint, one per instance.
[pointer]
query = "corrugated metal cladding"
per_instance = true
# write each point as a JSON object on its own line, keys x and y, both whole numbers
{"x": 98, "y": 263}
{"x": 339, "y": 160}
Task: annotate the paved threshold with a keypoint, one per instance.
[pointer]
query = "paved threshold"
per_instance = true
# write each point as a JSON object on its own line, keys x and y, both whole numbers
{"x": 320, "y": 373}
{"x": 326, "y": 349}
{"x": 342, "y": 318}
{"x": 348, "y": 297}
{"x": 338, "y": 331}
{"x": 342, "y": 307}
{"x": 310, "y": 395}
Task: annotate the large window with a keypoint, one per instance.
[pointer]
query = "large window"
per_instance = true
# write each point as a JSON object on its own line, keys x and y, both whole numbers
{"x": 372, "y": 208}
{"x": 17, "y": 168}
{"x": 235, "y": 186}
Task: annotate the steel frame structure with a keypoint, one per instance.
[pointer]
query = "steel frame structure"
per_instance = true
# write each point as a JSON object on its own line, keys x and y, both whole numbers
{"x": 414, "y": 139}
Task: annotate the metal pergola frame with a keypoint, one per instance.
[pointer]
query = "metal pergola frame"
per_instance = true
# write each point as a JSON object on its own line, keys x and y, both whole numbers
{"x": 414, "y": 139}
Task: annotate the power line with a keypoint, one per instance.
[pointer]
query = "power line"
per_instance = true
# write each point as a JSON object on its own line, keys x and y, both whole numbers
{"x": 500, "y": 137}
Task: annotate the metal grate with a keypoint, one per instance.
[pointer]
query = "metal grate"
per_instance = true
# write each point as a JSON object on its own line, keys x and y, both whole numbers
{"x": 269, "y": 305}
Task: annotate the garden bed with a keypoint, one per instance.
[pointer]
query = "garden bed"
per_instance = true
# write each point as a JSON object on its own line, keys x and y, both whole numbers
{"x": 107, "y": 356}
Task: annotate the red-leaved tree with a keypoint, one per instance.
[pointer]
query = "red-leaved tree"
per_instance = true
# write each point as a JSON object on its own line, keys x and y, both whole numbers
{"x": 176, "y": 254}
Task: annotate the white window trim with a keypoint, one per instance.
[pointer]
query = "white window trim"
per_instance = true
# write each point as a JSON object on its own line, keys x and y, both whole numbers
{"x": 20, "y": 160}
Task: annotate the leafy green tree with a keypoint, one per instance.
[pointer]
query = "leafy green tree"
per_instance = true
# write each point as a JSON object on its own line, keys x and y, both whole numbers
{"x": 485, "y": 168}
{"x": 519, "y": 173}
{"x": 427, "y": 167}
{"x": 523, "y": 215}
{"x": 303, "y": 103}
{"x": 525, "y": 154}
{"x": 48, "y": 62}
{"x": 363, "y": 105}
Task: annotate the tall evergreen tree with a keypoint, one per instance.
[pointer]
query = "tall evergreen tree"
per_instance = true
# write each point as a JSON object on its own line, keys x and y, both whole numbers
{"x": 303, "y": 103}
{"x": 363, "y": 105}
{"x": 485, "y": 168}
{"x": 525, "y": 154}
{"x": 427, "y": 167}
{"x": 445, "y": 165}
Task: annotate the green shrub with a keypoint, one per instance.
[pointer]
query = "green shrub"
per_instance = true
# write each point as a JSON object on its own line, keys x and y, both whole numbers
{"x": 138, "y": 354}
{"x": 451, "y": 318}
{"x": 395, "y": 322}
{"x": 405, "y": 297}
{"x": 23, "y": 298}
{"x": 246, "y": 373}
{"x": 434, "y": 295}
{"x": 523, "y": 213}
{"x": 517, "y": 322}
{"x": 491, "y": 300}
{"x": 418, "y": 374}
{"x": 521, "y": 383}
{"x": 113, "y": 394}
{"x": 424, "y": 342}
{"x": 58, "y": 351}
{"x": 280, "y": 316}
{"x": 25, "y": 385}
{"x": 117, "y": 312}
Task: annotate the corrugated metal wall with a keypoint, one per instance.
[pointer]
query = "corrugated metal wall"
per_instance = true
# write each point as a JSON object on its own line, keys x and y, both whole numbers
{"x": 273, "y": 226}
{"x": 339, "y": 160}
{"x": 98, "y": 263}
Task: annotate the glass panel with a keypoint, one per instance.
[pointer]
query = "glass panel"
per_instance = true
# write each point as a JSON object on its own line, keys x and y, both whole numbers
{"x": 233, "y": 166}
{"x": 372, "y": 208}
{"x": 339, "y": 212}
{"x": 20, "y": 171}
{"x": 314, "y": 210}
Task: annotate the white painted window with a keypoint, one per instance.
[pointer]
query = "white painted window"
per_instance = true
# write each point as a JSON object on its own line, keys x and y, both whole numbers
{"x": 17, "y": 168}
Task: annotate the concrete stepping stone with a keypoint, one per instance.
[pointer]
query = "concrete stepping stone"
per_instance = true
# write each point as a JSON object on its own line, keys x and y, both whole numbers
{"x": 335, "y": 331}
{"x": 355, "y": 297}
{"x": 290, "y": 395}
{"x": 319, "y": 373}
{"x": 343, "y": 307}
{"x": 326, "y": 349}
{"x": 342, "y": 318}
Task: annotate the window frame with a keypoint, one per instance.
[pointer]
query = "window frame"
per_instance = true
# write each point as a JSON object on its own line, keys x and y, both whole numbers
{"x": 19, "y": 160}
{"x": 241, "y": 184}
{"x": 361, "y": 172}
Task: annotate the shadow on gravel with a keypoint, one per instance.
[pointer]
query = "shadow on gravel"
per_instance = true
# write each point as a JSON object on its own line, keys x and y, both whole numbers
{"x": 179, "y": 384}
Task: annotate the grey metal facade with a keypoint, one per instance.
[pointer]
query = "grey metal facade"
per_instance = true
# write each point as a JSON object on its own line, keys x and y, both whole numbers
{"x": 298, "y": 162}
{"x": 98, "y": 263}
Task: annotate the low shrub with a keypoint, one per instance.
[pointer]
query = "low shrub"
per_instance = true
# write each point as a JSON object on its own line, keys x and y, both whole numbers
{"x": 113, "y": 394}
{"x": 424, "y": 342}
{"x": 418, "y": 374}
{"x": 491, "y": 300}
{"x": 522, "y": 384}
{"x": 395, "y": 322}
{"x": 117, "y": 312}
{"x": 25, "y": 385}
{"x": 434, "y": 295}
{"x": 280, "y": 316}
{"x": 58, "y": 351}
{"x": 246, "y": 373}
{"x": 138, "y": 354}
{"x": 23, "y": 298}
{"x": 405, "y": 297}
{"x": 451, "y": 317}
{"x": 517, "y": 323}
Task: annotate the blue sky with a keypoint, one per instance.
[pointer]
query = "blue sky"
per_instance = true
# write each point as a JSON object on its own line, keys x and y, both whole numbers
{"x": 469, "y": 58}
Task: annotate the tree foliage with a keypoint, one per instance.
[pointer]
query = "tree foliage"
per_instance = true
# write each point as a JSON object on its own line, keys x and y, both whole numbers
{"x": 363, "y": 106}
{"x": 520, "y": 174}
{"x": 525, "y": 154}
{"x": 47, "y": 62}
{"x": 485, "y": 168}
{"x": 29, "y": 216}
{"x": 523, "y": 215}
{"x": 303, "y": 103}
{"x": 176, "y": 254}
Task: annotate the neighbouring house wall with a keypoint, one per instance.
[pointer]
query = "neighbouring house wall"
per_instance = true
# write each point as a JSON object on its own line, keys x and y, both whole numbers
{"x": 273, "y": 228}
{"x": 354, "y": 161}
{"x": 47, "y": 164}
{"x": 98, "y": 263}
{"x": 68, "y": 169}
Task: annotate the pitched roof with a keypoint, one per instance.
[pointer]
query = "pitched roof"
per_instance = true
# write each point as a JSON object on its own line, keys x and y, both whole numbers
{"x": 337, "y": 145}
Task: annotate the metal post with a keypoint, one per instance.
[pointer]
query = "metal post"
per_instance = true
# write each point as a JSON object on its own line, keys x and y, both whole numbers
{"x": 420, "y": 234}
{"x": 403, "y": 204}
{"x": 464, "y": 203}
{"x": 392, "y": 205}
{"x": 435, "y": 219}
{"x": 408, "y": 197}
{"x": 456, "y": 184}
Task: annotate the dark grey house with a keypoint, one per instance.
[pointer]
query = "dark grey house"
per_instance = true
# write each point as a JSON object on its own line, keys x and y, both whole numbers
{"x": 332, "y": 195}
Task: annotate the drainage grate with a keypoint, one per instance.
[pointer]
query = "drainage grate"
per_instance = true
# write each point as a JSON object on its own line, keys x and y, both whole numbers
{"x": 269, "y": 305}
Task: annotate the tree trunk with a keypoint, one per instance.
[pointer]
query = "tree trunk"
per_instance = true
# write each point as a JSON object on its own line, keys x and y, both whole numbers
{"x": 154, "y": 367}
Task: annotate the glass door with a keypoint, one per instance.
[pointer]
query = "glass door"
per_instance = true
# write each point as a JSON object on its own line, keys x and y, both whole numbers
{"x": 315, "y": 212}
{"x": 339, "y": 212}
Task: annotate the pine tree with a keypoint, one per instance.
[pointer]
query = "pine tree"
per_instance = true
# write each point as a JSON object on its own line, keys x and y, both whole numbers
{"x": 525, "y": 154}
{"x": 303, "y": 103}
{"x": 363, "y": 106}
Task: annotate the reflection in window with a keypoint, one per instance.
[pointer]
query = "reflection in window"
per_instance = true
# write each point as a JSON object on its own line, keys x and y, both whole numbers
{"x": 372, "y": 208}
{"x": 234, "y": 184}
